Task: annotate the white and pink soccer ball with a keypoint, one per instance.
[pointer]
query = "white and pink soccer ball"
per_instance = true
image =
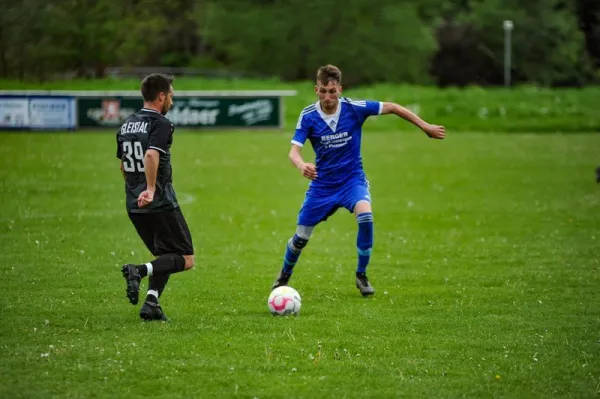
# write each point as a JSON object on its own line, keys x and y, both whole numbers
{"x": 284, "y": 301}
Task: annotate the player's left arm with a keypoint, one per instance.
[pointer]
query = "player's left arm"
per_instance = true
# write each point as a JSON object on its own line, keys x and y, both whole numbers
{"x": 120, "y": 156}
{"x": 433, "y": 131}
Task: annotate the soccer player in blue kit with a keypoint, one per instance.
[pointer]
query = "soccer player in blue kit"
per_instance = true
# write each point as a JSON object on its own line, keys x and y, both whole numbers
{"x": 334, "y": 127}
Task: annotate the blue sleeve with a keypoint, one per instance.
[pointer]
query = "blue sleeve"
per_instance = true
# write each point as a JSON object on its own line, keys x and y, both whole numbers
{"x": 302, "y": 130}
{"x": 367, "y": 108}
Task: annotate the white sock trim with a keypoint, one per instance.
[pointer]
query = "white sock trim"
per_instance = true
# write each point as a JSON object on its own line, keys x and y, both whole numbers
{"x": 153, "y": 293}
{"x": 150, "y": 269}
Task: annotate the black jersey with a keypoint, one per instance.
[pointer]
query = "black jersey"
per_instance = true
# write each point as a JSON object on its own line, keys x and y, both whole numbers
{"x": 146, "y": 129}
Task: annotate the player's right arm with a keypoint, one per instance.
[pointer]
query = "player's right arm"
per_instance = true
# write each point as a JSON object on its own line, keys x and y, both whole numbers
{"x": 151, "y": 161}
{"x": 157, "y": 142}
{"x": 123, "y": 171}
{"x": 309, "y": 170}
{"x": 120, "y": 156}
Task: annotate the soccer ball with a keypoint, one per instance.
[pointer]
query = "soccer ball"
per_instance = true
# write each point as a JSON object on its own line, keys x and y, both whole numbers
{"x": 284, "y": 301}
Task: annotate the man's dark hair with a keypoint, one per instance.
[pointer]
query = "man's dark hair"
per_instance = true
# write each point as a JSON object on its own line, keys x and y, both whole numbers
{"x": 328, "y": 73}
{"x": 154, "y": 84}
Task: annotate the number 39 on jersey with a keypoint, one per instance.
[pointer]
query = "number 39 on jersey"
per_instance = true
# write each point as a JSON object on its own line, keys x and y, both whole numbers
{"x": 133, "y": 160}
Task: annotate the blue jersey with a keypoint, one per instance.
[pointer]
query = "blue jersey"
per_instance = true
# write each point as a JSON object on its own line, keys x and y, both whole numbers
{"x": 336, "y": 140}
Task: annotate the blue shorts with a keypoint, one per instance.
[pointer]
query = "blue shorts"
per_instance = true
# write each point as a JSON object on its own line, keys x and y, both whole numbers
{"x": 319, "y": 205}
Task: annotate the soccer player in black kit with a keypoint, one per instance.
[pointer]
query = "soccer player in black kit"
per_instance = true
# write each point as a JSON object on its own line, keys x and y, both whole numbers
{"x": 143, "y": 146}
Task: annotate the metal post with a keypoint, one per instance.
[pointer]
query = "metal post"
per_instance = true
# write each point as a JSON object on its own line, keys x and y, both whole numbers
{"x": 508, "y": 27}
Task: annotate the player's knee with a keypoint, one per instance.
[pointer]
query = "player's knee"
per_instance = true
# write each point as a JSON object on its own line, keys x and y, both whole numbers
{"x": 189, "y": 261}
{"x": 362, "y": 206}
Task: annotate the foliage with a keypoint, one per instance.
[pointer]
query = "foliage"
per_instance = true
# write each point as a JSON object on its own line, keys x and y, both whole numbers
{"x": 417, "y": 42}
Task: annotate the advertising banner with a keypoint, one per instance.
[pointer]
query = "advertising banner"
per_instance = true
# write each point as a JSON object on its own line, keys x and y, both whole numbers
{"x": 192, "y": 109}
{"x": 14, "y": 112}
{"x": 225, "y": 112}
{"x": 192, "y": 112}
{"x": 37, "y": 112}
{"x": 51, "y": 113}
{"x": 106, "y": 111}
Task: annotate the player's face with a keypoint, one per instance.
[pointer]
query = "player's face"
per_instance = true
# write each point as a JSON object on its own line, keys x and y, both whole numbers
{"x": 329, "y": 94}
{"x": 168, "y": 101}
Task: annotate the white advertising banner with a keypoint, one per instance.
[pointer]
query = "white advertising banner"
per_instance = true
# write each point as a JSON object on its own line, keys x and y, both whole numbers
{"x": 51, "y": 113}
{"x": 14, "y": 112}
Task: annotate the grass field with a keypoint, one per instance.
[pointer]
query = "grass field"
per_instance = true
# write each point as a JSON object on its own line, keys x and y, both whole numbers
{"x": 486, "y": 266}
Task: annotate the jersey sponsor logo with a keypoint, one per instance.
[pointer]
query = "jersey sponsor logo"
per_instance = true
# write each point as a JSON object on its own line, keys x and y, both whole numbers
{"x": 134, "y": 127}
{"x": 335, "y": 140}
{"x": 335, "y": 136}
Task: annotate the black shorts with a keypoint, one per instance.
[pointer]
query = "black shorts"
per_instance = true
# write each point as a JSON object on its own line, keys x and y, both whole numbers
{"x": 164, "y": 232}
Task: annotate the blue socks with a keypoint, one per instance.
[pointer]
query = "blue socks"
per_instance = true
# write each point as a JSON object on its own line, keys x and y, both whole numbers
{"x": 364, "y": 240}
{"x": 364, "y": 245}
{"x": 292, "y": 252}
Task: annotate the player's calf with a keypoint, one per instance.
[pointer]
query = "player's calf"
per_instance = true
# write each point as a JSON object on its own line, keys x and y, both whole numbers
{"x": 163, "y": 266}
{"x": 295, "y": 246}
{"x": 166, "y": 264}
{"x": 364, "y": 245}
{"x": 364, "y": 240}
{"x": 293, "y": 249}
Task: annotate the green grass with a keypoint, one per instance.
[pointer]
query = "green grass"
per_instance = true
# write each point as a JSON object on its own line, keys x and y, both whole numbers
{"x": 486, "y": 266}
{"x": 521, "y": 109}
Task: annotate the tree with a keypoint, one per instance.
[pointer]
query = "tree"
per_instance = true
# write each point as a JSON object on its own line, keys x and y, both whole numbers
{"x": 371, "y": 44}
{"x": 548, "y": 47}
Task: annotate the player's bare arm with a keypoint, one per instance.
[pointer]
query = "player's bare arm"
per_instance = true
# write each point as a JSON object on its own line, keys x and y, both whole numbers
{"x": 123, "y": 171}
{"x": 308, "y": 169}
{"x": 433, "y": 131}
{"x": 151, "y": 161}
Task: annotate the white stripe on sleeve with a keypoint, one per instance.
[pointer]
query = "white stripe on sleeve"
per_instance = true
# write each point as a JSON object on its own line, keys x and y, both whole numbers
{"x": 158, "y": 149}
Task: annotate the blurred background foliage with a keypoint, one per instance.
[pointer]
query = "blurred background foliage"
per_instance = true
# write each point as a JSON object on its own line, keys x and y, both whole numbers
{"x": 424, "y": 42}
